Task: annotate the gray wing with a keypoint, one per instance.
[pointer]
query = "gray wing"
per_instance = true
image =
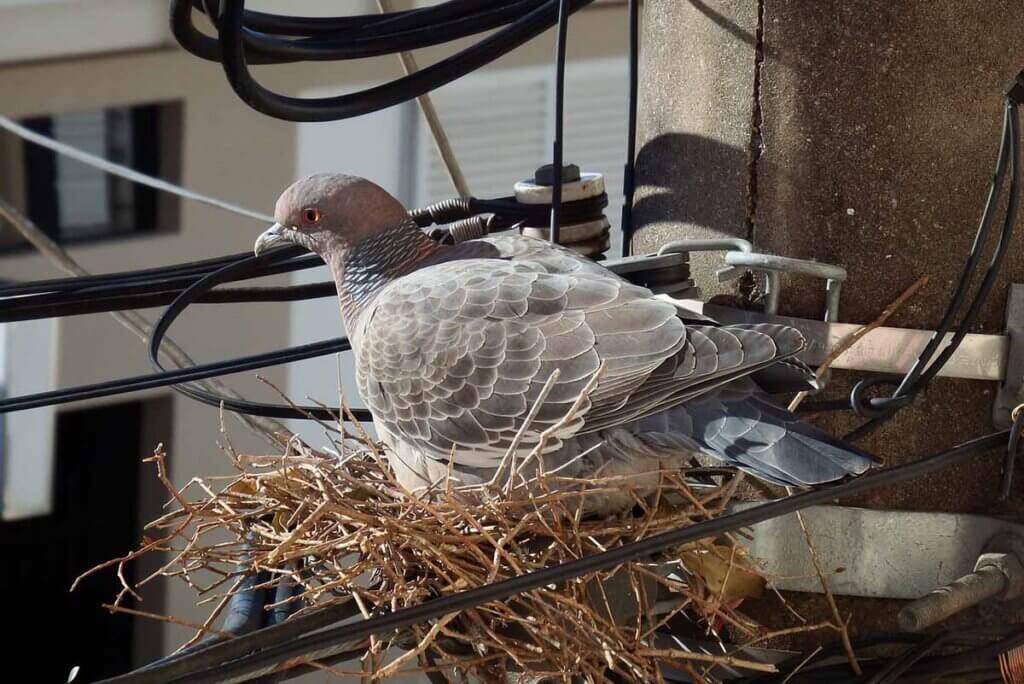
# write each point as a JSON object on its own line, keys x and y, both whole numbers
{"x": 544, "y": 255}
{"x": 452, "y": 357}
{"x": 789, "y": 375}
{"x": 742, "y": 425}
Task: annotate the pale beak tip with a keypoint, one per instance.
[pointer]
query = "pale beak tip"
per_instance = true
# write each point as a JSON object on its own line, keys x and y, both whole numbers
{"x": 271, "y": 237}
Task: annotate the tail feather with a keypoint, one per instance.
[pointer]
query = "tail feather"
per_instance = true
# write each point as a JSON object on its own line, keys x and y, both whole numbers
{"x": 740, "y": 424}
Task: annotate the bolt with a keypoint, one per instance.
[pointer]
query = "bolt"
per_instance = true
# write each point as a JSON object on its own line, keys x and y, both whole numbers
{"x": 545, "y": 175}
{"x": 996, "y": 575}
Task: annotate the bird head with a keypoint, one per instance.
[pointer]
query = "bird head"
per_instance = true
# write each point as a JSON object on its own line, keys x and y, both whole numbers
{"x": 331, "y": 213}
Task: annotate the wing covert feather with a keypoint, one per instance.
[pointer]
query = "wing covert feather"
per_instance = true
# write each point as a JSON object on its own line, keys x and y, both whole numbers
{"x": 453, "y": 356}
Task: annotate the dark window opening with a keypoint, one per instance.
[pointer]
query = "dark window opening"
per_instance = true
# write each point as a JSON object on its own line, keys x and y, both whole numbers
{"x": 74, "y": 202}
{"x": 101, "y": 493}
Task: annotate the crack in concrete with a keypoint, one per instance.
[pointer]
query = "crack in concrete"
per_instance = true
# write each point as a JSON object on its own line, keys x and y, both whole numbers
{"x": 756, "y": 147}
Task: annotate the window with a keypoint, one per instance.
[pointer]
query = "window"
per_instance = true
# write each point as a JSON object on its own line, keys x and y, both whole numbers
{"x": 500, "y": 123}
{"x": 27, "y": 356}
{"x": 73, "y": 202}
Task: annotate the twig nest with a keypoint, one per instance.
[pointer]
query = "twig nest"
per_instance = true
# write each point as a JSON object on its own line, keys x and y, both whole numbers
{"x": 345, "y": 530}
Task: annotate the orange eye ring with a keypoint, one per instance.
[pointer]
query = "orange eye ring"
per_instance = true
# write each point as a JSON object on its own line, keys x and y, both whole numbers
{"x": 311, "y": 215}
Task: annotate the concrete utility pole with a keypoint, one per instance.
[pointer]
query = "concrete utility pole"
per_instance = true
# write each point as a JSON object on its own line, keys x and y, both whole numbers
{"x": 860, "y": 133}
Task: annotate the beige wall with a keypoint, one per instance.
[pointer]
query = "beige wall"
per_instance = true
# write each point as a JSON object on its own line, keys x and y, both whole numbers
{"x": 233, "y": 153}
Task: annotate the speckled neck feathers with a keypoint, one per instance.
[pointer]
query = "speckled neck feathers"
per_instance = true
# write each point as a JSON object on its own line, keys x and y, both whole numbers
{"x": 363, "y": 269}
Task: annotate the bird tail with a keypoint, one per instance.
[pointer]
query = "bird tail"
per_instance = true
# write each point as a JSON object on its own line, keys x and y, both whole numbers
{"x": 740, "y": 424}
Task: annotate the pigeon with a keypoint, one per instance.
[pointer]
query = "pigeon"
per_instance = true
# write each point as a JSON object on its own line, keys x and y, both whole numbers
{"x": 495, "y": 350}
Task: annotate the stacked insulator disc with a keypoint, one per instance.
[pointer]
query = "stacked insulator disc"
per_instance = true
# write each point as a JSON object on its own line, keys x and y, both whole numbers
{"x": 589, "y": 238}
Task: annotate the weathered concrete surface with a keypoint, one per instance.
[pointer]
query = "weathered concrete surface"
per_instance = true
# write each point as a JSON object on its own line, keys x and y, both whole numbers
{"x": 693, "y": 128}
{"x": 881, "y": 125}
{"x": 876, "y": 132}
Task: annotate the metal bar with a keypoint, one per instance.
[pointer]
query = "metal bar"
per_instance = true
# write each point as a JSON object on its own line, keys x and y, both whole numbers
{"x": 881, "y": 554}
{"x": 772, "y": 262}
{"x": 883, "y": 350}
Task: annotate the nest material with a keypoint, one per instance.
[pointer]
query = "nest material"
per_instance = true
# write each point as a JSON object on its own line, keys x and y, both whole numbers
{"x": 342, "y": 529}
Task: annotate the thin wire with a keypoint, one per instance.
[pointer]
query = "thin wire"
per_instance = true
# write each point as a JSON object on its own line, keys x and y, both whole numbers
{"x": 919, "y": 375}
{"x": 133, "y": 321}
{"x": 126, "y": 172}
{"x": 1010, "y": 460}
{"x": 966, "y": 276}
{"x": 556, "y": 165}
{"x": 628, "y": 177}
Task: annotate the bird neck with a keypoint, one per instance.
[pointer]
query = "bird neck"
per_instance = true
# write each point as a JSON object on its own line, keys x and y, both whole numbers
{"x": 362, "y": 270}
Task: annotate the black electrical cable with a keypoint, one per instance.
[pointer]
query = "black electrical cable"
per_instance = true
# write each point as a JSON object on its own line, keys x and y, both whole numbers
{"x": 969, "y": 638}
{"x": 984, "y": 655}
{"x": 925, "y": 368}
{"x": 169, "y": 378}
{"x": 159, "y": 286}
{"x": 1010, "y": 460}
{"x": 921, "y": 373}
{"x": 238, "y": 46}
{"x": 628, "y": 175}
{"x": 898, "y": 666}
{"x": 79, "y": 282}
{"x": 123, "y": 293}
{"x": 238, "y": 269}
{"x": 349, "y": 37}
{"x": 235, "y": 295}
{"x": 507, "y": 209}
{"x": 966, "y": 276}
{"x": 241, "y": 268}
{"x": 556, "y": 145}
{"x": 797, "y": 665}
{"x": 557, "y": 574}
{"x": 131, "y": 289}
{"x": 204, "y": 654}
{"x": 1001, "y": 249}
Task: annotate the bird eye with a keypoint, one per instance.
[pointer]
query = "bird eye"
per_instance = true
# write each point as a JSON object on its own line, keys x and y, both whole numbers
{"x": 311, "y": 215}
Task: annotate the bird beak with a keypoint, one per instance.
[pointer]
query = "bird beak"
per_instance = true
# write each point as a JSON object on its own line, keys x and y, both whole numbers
{"x": 273, "y": 236}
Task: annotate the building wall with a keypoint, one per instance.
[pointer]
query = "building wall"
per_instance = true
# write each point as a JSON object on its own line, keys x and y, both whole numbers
{"x": 228, "y": 151}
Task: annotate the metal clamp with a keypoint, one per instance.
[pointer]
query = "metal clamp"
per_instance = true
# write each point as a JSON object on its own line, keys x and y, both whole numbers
{"x": 725, "y": 244}
{"x": 772, "y": 265}
{"x": 740, "y": 256}
{"x": 1011, "y": 391}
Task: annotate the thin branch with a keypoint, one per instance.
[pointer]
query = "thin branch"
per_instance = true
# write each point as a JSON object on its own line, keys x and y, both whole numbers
{"x": 858, "y": 334}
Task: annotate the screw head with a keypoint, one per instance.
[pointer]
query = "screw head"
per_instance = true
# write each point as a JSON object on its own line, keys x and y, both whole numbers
{"x": 545, "y": 174}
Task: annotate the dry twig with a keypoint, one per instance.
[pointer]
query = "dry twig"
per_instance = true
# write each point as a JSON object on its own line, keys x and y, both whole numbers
{"x": 858, "y": 334}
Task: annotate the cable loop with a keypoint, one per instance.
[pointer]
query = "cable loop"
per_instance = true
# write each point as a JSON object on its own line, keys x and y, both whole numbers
{"x": 875, "y": 407}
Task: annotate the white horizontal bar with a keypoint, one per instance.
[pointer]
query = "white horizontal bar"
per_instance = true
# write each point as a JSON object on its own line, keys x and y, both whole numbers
{"x": 893, "y": 350}
{"x": 883, "y": 350}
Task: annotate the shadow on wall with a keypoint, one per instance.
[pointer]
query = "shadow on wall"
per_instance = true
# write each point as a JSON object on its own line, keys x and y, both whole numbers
{"x": 725, "y": 23}
{"x": 736, "y": 31}
{"x": 693, "y": 180}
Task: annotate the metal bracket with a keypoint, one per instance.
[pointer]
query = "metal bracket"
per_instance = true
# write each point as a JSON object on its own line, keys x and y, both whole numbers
{"x": 772, "y": 265}
{"x": 887, "y": 554}
{"x": 740, "y": 256}
{"x": 1011, "y": 391}
{"x": 883, "y": 350}
{"x": 667, "y": 272}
